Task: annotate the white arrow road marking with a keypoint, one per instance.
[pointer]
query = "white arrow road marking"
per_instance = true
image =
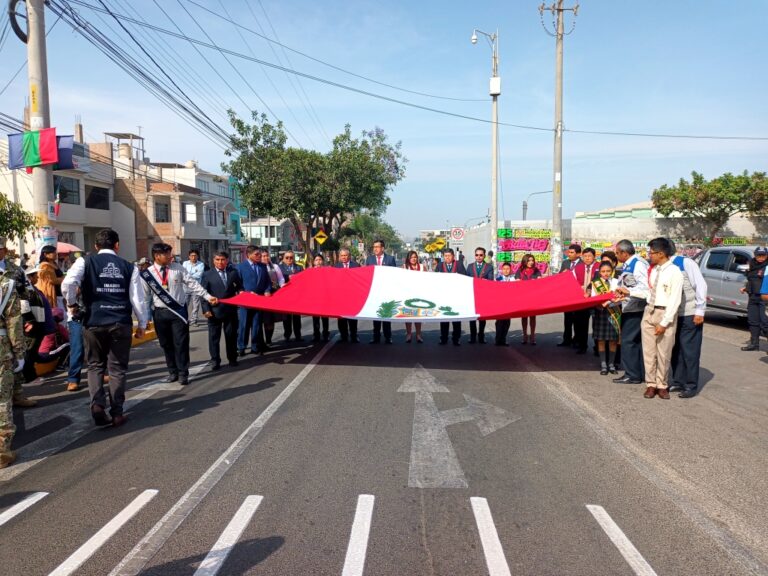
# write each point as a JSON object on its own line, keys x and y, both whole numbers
{"x": 17, "y": 509}
{"x": 631, "y": 554}
{"x": 218, "y": 554}
{"x": 358, "y": 538}
{"x": 71, "y": 564}
{"x": 494, "y": 553}
{"x": 434, "y": 463}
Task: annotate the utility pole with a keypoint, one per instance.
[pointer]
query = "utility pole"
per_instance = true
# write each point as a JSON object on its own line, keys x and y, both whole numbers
{"x": 39, "y": 107}
{"x": 556, "y": 241}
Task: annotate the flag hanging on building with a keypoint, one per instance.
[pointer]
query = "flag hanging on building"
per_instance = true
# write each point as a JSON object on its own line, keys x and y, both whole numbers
{"x": 65, "y": 146}
{"x": 40, "y": 147}
{"x": 17, "y": 153}
{"x": 399, "y": 295}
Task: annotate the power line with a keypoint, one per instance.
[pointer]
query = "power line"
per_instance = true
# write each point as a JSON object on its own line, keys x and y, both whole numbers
{"x": 652, "y": 135}
{"x": 15, "y": 74}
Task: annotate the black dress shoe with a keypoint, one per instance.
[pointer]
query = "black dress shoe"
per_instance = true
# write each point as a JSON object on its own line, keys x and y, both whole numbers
{"x": 676, "y": 388}
{"x": 443, "y": 342}
{"x": 183, "y": 381}
{"x": 234, "y": 363}
{"x": 299, "y": 339}
{"x": 241, "y": 353}
{"x": 100, "y": 417}
{"x": 375, "y": 341}
{"x": 750, "y": 348}
{"x": 342, "y": 339}
{"x": 481, "y": 340}
{"x": 355, "y": 340}
{"x": 627, "y": 380}
{"x": 216, "y": 367}
{"x": 456, "y": 343}
{"x": 564, "y": 345}
{"x": 687, "y": 393}
{"x": 388, "y": 341}
{"x": 472, "y": 340}
{"x": 171, "y": 378}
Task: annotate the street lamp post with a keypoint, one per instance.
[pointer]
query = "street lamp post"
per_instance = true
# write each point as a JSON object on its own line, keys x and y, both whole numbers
{"x": 525, "y": 202}
{"x": 495, "y": 91}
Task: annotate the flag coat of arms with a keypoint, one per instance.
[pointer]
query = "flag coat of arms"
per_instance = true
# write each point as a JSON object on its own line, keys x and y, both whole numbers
{"x": 399, "y": 295}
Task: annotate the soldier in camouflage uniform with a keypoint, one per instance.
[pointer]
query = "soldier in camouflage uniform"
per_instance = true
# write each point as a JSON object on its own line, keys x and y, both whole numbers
{"x": 9, "y": 270}
{"x": 12, "y": 349}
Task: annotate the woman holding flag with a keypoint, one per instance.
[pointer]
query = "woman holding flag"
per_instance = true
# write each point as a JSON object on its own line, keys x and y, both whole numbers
{"x": 607, "y": 319}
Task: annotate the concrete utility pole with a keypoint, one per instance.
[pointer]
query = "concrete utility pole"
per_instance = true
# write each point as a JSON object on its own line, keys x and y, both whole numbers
{"x": 556, "y": 242}
{"x": 39, "y": 108}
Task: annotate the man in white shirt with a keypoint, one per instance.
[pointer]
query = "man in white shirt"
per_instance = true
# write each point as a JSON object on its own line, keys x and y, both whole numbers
{"x": 665, "y": 283}
{"x": 195, "y": 268}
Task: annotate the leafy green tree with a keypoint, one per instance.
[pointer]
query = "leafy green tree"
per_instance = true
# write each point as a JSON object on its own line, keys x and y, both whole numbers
{"x": 367, "y": 227}
{"x": 14, "y": 220}
{"x": 713, "y": 202}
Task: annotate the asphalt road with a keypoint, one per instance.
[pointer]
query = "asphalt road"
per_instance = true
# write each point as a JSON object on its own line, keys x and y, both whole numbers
{"x": 398, "y": 460}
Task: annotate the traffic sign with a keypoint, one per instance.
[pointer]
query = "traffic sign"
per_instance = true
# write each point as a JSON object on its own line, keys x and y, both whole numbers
{"x": 321, "y": 237}
{"x": 457, "y": 234}
{"x": 439, "y": 243}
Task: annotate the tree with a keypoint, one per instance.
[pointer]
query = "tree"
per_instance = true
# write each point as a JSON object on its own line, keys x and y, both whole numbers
{"x": 367, "y": 227}
{"x": 14, "y": 220}
{"x": 714, "y": 202}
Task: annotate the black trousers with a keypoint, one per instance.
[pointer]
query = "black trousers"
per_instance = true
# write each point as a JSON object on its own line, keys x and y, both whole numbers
{"x": 316, "y": 322}
{"x": 632, "y": 345}
{"x": 229, "y": 324}
{"x": 377, "y": 327}
{"x": 581, "y": 328}
{"x": 173, "y": 336}
{"x": 107, "y": 350}
{"x": 687, "y": 353}
{"x": 292, "y": 326}
{"x": 756, "y": 317}
{"x": 568, "y": 322}
{"x": 473, "y": 332}
{"x": 30, "y": 357}
{"x": 502, "y": 330}
{"x": 444, "y": 327}
{"x": 347, "y": 329}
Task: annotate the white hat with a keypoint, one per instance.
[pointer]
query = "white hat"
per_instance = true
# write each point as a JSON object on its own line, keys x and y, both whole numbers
{"x": 30, "y": 271}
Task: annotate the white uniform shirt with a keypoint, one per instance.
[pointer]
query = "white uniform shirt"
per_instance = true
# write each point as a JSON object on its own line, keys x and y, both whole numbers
{"x": 179, "y": 284}
{"x": 666, "y": 285}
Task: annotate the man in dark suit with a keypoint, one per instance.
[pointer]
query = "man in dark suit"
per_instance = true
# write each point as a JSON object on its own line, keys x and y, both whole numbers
{"x": 292, "y": 322}
{"x": 347, "y": 328}
{"x": 450, "y": 266}
{"x": 255, "y": 279}
{"x": 584, "y": 273}
{"x": 222, "y": 281}
{"x": 479, "y": 269}
{"x": 378, "y": 258}
{"x": 574, "y": 258}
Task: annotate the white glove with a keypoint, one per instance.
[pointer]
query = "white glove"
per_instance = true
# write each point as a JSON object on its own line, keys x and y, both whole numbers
{"x": 19, "y": 366}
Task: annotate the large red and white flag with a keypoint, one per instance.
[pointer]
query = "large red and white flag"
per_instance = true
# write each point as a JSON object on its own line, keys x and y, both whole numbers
{"x": 399, "y": 295}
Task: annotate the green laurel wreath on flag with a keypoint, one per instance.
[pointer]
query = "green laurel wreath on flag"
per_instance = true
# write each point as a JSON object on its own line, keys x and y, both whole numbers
{"x": 388, "y": 309}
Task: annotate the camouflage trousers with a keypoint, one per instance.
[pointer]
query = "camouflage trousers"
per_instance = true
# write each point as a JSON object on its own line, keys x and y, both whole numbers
{"x": 18, "y": 377}
{"x": 7, "y": 428}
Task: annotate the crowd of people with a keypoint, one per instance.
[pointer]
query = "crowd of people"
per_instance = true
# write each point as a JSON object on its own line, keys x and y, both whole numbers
{"x": 652, "y": 326}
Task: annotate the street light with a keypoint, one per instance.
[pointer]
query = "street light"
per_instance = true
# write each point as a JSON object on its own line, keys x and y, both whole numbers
{"x": 495, "y": 91}
{"x": 525, "y": 202}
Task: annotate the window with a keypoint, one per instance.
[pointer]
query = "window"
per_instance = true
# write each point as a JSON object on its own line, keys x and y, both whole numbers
{"x": 68, "y": 237}
{"x": 222, "y": 190}
{"x": 188, "y": 213}
{"x": 202, "y": 184}
{"x": 222, "y": 219}
{"x": 739, "y": 259}
{"x": 210, "y": 216}
{"x": 68, "y": 190}
{"x": 717, "y": 260}
{"x": 96, "y": 197}
{"x": 162, "y": 211}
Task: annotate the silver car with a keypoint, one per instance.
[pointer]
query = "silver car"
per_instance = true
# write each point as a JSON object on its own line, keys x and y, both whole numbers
{"x": 725, "y": 270}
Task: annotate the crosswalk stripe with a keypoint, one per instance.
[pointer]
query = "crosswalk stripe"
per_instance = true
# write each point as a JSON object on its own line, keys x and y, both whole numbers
{"x": 494, "y": 553}
{"x": 17, "y": 509}
{"x": 71, "y": 564}
{"x": 358, "y": 538}
{"x": 628, "y": 551}
{"x": 218, "y": 554}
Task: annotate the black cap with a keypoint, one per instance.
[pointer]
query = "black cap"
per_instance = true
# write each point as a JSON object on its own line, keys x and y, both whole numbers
{"x": 761, "y": 251}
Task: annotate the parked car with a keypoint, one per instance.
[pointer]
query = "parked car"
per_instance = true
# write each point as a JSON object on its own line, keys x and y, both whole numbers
{"x": 725, "y": 270}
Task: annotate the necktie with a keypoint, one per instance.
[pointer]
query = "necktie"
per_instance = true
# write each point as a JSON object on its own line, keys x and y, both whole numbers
{"x": 223, "y": 275}
{"x": 346, "y": 265}
{"x": 164, "y": 276}
{"x": 379, "y": 259}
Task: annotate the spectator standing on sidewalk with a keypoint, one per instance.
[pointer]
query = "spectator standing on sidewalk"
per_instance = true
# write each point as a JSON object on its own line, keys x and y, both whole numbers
{"x": 195, "y": 268}
{"x": 111, "y": 288}
{"x": 50, "y": 276}
{"x": 758, "y": 321}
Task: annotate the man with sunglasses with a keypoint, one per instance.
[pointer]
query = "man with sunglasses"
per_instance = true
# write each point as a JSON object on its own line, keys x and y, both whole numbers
{"x": 292, "y": 322}
{"x": 484, "y": 271}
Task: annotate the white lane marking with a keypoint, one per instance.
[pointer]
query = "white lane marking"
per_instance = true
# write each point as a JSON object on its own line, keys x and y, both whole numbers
{"x": 631, "y": 554}
{"x": 81, "y": 424}
{"x": 494, "y": 553}
{"x": 218, "y": 554}
{"x": 358, "y": 537}
{"x": 135, "y": 561}
{"x": 71, "y": 564}
{"x": 17, "y": 509}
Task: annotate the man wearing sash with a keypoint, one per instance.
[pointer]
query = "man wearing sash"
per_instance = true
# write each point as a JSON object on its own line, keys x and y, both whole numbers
{"x": 169, "y": 283}
{"x": 479, "y": 269}
{"x": 111, "y": 287}
{"x": 347, "y": 327}
{"x": 450, "y": 266}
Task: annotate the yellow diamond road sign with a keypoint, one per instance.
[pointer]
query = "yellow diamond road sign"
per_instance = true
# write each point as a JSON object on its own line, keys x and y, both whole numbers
{"x": 321, "y": 237}
{"x": 439, "y": 243}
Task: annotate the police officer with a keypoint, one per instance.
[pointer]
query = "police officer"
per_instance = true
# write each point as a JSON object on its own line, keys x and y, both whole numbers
{"x": 758, "y": 322}
{"x": 12, "y": 350}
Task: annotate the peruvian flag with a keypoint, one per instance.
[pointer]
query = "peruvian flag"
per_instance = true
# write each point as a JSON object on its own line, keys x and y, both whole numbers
{"x": 399, "y": 295}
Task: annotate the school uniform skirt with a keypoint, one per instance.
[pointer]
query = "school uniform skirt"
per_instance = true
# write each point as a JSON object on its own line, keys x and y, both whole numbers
{"x": 602, "y": 329}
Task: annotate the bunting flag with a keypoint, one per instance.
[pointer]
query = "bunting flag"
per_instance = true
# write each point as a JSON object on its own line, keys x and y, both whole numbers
{"x": 38, "y": 148}
{"x": 399, "y": 295}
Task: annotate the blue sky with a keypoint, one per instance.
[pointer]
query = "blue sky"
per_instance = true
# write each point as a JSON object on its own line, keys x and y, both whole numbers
{"x": 682, "y": 67}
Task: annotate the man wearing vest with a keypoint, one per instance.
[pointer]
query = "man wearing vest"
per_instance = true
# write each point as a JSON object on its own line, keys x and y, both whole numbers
{"x": 450, "y": 266}
{"x": 378, "y": 258}
{"x": 483, "y": 270}
{"x": 633, "y": 293}
{"x": 568, "y": 265}
{"x": 168, "y": 284}
{"x": 690, "y": 329}
{"x": 347, "y": 327}
{"x": 111, "y": 288}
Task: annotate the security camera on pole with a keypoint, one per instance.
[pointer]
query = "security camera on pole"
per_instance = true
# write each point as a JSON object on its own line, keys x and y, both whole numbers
{"x": 495, "y": 91}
